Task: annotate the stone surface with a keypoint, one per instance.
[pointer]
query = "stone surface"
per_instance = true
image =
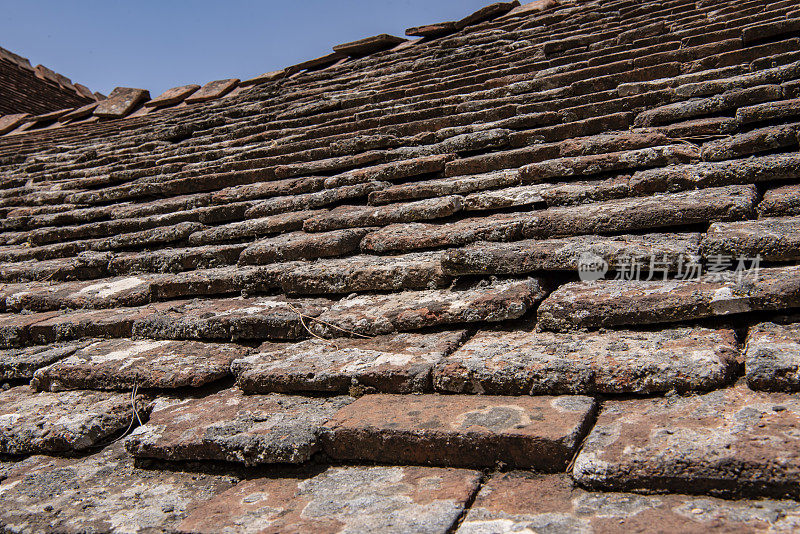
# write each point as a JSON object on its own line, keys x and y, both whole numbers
{"x": 630, "y": 302}
{"x": 727, "y": 442}
{"x": 772, "y": 357}
{"x": 399, "y": 363}
{"x": 509, "y": 362}
{"x": 372, "y": 315}
{"x": 249, "y": 429}
{"x": 476, "y": 431}
{"x": 780, "y": 201}
{"x": 512, "y": 197}
{"x": 103, "y": 492}
{"x": 565, "y": 254}
{"x": 173, "y": 96}
{"x": 753, "y": 142}
{"x": 418, "y": 236}
{"x": 122, "y": 364}
{"x": 633, "y": 214}
{"x": 212, "y": 90}
{"x": 232, "y": 319}
{"x": 421, "y": 270}
{"x": 9, "y": 122}
{"x": 771, "y": 239}
{"x": 369, "y": 45}
{"x": 527, "y": 502}
{"x": 397, "y": 500}
{"x": 110, "y": 293}
{"x": 121, "y": 102}
{"x": 358, "y": 216}
{"x": 251, "y": 228}
{"x": 303, "y": 246}
{"x": 34, "y": 423}
{"x": 19, "y": 364}
{"x": 440, "y": 187}
{"x": 432, "y": 30}
{"x": 768, "y": 111}
{"x": 220, "y": 281}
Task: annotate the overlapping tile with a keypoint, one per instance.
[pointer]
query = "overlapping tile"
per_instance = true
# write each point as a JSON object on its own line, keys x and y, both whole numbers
{"x": 101, "y": 493}
{"x": 772, "y": 357}
{"x": 36, "y": 423}
{"x": 399, "y": 363}
{"x": 426, "y": 500}
{"x": 477, "y": 431}
{"x": 250, "y": 429}
{"x": 124, "y": 364}
{"x": 520, "y": 362}
{"x": 728, "y": 442}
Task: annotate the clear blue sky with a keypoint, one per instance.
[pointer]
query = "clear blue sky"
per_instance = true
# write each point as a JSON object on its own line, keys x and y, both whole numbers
{"x": 156, "y": 45}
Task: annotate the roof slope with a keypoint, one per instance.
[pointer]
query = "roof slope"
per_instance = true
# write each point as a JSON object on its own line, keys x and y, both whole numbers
{"x": 36, "y": 90}
{"x": 521, "y": 273}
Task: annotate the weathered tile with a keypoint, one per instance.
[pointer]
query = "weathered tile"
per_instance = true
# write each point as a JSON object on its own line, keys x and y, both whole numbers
{"x": 19, "y": 364}
{"x": 424, "y": 500}
{"x": 728, "y": 442}
{"x": 103, "y": 492}
{"x": 631, "y": 302}
{"x": 420, "y": 270}
{"x": 33, "y": 423}
{"x": 475, "y": 431}
{"x": 15, "y": 328}
{"x": 565, "y": 254}
{"x": 768, "y": 111}
{"x": 772, "y": 357}
{"x": 740, "y": 145}
{"x": 520, "y": 362}
{"x": 399, "y": 363}
{"x": 111, "y": 323}
{"x": 220, "y": 281}
{"x": 303, "y": 246}
{"x": 780, "y": 201}
{"x": 643, "y": 213}
{"x": 250, "y": 429}
{"x": 512, "y": 197}
{"x": 445, "y": 186}
{"x": 212, "y": 90}
{"x": 313, "y": 200}
{"x": 487, "y": 13}
{"x": 558, "y": 169}
{"x": 122, "y": 364}
{"x": 369, "y": 45}
{"x": 526, "y": 502}
{"x": 432, "y": 30}
{"x": 173, "y": 96}
{"x": 418, "y": 236}
{"x": 245, "y": 230}
{"x": 362, "y": 216}
{"x": 175, "y": 260}
{"x": 771, "y": 239}
{"x": 394, "y": 170}
{"x": 231, "y": 319}
{"x": 412, "y": 310}
{"x": 127, "y": 291}
{"x": 9, "y": 122}
{"x": 121, "y": 102}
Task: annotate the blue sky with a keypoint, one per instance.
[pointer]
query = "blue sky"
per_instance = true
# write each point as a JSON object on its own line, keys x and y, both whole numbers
{"x": 156, "y": 45}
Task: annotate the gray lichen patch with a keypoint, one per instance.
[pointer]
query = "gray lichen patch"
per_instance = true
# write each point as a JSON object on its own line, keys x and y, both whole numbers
{"x": 773, "y": 357}
{"x": 398, "y": 500}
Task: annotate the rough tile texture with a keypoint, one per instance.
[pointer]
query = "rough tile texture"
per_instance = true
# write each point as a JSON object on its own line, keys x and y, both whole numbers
{"x": 526, "y": 502}
{"x": 232, "y": 319}
{"x": 103, "y": 492}
{"x": 771, "y": 239}
{"x": 533, "y": 432}
{"x": 729, "y": 442}
{"x": 620, "y": 302}
{"x": 249, "y": 429}
{"x": 35, "y": 423}
{"x": 424, "y": 500}
{"x": 371, "y": 315}
{"x": 565, "y": 254}
{"x": 772, "y": 357}
{"x": 17, "y": 364}
{"x": 123, "y": 364}
{"x": 518, "y": 362}
{"x": 399, "y": 363}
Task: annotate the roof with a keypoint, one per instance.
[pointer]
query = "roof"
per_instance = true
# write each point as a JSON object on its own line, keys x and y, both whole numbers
{"x": 536, "y": 269}
{"x": 37, "y": 90}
